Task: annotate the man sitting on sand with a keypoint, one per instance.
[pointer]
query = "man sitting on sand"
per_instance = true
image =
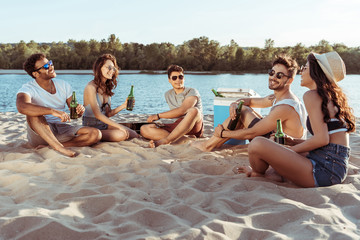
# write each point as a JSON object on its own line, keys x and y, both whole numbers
{"x": 185, "y": 104}
{"x": 43, "y": 101}
{"x": 285, "y": 106}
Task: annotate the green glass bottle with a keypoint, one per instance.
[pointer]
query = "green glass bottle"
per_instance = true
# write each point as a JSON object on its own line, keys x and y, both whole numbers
{"x": 73, "y": 105}
{"x": 279, "y": 135}
{"x": 232, "y": 123}
{"x": 216, "y": 93}
{"x": 131, "y": 99}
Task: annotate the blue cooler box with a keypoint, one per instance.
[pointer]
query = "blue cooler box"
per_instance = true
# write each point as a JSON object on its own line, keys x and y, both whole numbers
{"x": 222, "y": 104}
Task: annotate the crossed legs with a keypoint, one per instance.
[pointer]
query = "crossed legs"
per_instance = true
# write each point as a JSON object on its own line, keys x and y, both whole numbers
{"x": 113, "y": 134}
{"x": 160, "y": 136}
{"x": 86, "y": 136}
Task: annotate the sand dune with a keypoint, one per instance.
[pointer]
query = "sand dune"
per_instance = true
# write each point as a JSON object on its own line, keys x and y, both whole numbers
{"x": 128, "y": 191}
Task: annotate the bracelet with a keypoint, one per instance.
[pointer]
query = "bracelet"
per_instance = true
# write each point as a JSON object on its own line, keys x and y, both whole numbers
{"x": 158, "y": 116}
{"x": 221, "y": 133}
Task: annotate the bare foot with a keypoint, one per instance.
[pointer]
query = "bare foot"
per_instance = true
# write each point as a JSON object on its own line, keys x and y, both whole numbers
{"x": 247, "y": 170}
{"x": 154, "y": 144}
{"x": 269, "y": 174}
{"x": 273, "y": 175}
{"x": 66, "y": 152}
{"x": 40, "y": 146}
{"x": 201, "y": 145}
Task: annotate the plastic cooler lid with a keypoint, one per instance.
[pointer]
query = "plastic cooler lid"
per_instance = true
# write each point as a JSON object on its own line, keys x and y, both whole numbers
{"x": 237, "y": 92}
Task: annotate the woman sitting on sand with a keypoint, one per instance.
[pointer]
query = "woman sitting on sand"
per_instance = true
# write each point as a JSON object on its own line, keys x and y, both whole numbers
{"x": 330, "y": 120}
{"x": 97, "y": 101}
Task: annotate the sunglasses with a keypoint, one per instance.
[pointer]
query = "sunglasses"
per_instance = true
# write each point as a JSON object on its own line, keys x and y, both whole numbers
{"x": 278, "y": 75}
{"x": 303, "y": 68}
{"x": 46, "y": 66}
{"x": 181, "y": 77}
{"x": 111, "y": 68}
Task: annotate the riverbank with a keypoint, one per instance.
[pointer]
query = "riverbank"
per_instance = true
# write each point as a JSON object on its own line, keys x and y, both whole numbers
{"x": 128, "y": 191}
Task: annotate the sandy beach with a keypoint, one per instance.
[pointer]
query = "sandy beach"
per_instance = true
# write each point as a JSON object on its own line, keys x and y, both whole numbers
{"x": 128, "y": 191}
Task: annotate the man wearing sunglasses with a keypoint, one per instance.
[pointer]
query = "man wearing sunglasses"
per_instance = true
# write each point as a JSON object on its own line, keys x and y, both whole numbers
{"x": 284, "y": 105}
{"x": 185, "y": 105}
{"x": 43, "y": 101}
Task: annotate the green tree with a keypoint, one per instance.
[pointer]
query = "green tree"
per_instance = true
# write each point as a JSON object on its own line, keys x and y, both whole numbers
{"x": 323, "y": 47}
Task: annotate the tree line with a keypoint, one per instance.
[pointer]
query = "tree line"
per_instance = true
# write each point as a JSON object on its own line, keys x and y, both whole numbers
{"x": 198, "y": 54}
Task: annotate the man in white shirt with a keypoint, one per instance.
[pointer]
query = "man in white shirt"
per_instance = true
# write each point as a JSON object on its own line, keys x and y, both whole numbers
{"x": 284, "y": 105}
{"x": 43, "y": 101}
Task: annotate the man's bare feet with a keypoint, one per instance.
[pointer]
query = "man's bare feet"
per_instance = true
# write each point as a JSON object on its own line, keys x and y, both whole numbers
{"x": 66, "y": 152}
{"x": 201, "y": 145}
{"x": 154, "y": 144}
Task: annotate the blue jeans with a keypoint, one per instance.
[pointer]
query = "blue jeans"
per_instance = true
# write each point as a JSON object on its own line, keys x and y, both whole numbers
{"x": 330, "y": 164}
{"x": 94, "y": 122}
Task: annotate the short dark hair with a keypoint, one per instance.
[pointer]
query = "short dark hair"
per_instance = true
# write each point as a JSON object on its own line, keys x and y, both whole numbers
{"x": 29, "y": 64}
{"x": 290, "y": 63}
{"x": 174, "y": 68}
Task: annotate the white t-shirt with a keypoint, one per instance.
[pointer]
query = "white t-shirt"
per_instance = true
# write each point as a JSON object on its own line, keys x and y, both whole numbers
{"x": 43, "y": 98}
{"x": 299, "y": 108}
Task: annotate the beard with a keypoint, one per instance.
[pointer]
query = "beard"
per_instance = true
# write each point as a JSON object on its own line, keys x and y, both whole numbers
{"x": 277, "y": 85}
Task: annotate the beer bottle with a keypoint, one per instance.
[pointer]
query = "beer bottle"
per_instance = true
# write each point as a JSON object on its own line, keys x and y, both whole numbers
{"x": 131, "y": 99}
{"x": 232, "y": 123}
{"x": 73, "y": 105}
{"x": 216, "y": 93}
{"x": 279, "y": 135}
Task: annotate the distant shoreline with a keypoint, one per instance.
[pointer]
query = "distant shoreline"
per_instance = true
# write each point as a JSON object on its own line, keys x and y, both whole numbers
{"x": 89, "y": 72}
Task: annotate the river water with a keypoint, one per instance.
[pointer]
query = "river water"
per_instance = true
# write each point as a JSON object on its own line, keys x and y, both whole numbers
{"x": 149, "y": 89}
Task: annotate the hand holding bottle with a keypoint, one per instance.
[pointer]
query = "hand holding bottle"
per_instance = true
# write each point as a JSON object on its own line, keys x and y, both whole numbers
{"x": 80, "y": 109}
{"x": 232, "y": 110}
{"x": 234, "y": 106}
{"x": 233, "y": 122}
{"x": 126, "y": 102}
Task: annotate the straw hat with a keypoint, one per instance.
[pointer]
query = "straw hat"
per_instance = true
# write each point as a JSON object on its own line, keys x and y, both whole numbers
{"x": 332, "y": 65}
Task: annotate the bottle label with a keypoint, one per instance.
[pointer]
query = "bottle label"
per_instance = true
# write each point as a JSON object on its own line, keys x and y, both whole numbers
{"x": 73, "y": 113}
{"x": 280, "y": 140}
{"x": 130, "y": 104}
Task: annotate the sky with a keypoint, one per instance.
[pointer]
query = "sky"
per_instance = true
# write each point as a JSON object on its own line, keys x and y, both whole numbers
{"x": 248, "y": 22}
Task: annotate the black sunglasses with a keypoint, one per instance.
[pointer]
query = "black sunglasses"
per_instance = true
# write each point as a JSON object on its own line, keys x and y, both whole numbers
{"x": 111, "y": 68}
{"x": 279, "y": 75}
{"x": 303, "y": 68}
{"x": 46, "y": 66}
{"x": 181, "y": 77}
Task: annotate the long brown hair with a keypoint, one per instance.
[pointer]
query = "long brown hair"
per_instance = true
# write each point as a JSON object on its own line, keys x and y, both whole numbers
{"x": 330, "y": 91}
{"x": 110, "y": 84}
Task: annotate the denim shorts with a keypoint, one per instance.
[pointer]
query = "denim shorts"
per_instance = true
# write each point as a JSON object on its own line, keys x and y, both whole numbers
{"x": 330, "y": 164}
{"x": 94, "y": 122}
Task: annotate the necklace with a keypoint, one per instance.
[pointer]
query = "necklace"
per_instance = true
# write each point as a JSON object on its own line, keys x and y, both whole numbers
{"x": 52, "y": 91}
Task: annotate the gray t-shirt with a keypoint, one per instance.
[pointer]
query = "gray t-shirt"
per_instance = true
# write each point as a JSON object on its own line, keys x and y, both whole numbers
{"x": 175, "y": 100}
